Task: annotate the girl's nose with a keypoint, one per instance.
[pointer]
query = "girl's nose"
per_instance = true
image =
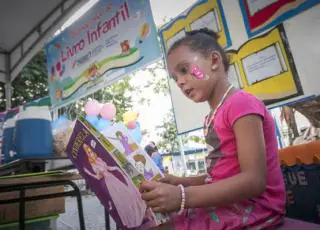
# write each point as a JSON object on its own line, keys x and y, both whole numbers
{"x": 181, "y": 80}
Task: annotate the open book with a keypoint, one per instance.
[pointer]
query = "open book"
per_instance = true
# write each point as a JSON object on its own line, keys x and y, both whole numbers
{"x": 114, "y": 165}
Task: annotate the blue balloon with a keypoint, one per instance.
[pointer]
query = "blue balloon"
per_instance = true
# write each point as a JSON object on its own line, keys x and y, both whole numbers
{"x": 93, "y": 120}
{"x": 136, "y": 133}
{"x": 103, "y": 124}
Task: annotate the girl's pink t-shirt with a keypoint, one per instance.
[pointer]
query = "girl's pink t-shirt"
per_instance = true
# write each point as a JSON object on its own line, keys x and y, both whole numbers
{"x": 222, "y": 162}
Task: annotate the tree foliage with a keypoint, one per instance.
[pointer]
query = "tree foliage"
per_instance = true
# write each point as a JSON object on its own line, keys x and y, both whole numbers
{"x": 30, "y": 84}
{"x": 168, "y": 133}
{"x": 158, "y": 78}
{"x": 119, "y": 93}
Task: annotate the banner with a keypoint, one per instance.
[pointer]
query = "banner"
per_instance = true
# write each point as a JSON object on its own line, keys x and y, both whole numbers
{"x": 264, "y": 67}
{"x": 112, "y": 39}
{"x": 203, "y": 14}
{"x": 260, "y": 15}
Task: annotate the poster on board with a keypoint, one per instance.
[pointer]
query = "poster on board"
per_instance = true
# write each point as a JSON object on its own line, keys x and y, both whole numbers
{"x": 203, "y": 14}
{"x": 112, "y": 39}
{"x": 264, "y": 67}
{"x": 260, "y": 15}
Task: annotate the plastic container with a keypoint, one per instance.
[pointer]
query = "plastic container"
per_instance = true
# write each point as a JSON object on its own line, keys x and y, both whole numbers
{"x": 34, "y": 133}
{"x": 8, "y": 144}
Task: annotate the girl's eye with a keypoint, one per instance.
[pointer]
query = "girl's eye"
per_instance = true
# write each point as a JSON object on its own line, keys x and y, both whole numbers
{"x": 184, "y": 70}
{"x": 174, "y": 77}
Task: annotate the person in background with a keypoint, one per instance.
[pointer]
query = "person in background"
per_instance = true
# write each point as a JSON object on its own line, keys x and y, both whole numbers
{"x": 153, "y": 152}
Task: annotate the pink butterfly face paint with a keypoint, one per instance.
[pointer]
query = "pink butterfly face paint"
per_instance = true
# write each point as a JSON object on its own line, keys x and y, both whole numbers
{"x": 197, "y": 72}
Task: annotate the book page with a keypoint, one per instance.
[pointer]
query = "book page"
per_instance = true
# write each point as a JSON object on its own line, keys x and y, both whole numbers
{"x": 119, "y": 136}
{"x": 262, "y": 65}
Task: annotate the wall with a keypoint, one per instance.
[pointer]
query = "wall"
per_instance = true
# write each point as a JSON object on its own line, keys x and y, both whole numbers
{"x": 302, "y": 35}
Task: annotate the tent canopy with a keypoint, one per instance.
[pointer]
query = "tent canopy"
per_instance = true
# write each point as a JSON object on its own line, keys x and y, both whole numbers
{"x": 25, "y": 26}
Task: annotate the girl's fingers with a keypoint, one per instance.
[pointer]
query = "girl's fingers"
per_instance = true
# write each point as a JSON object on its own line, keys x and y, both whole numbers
{"x": 158, "y": 209}
{"x": 147, "y": 186}
{"x": 148, "y": 196}
{"x": 154, "y": 203}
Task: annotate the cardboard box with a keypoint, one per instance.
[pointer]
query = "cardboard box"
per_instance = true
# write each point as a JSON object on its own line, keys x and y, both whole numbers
{"x": 33, "y": 209}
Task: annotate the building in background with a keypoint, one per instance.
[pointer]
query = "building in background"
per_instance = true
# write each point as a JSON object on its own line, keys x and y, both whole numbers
{"x": 195, "y": 161}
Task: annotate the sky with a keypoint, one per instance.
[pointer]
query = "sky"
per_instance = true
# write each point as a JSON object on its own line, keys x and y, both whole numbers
{"x": 150, "y": 115}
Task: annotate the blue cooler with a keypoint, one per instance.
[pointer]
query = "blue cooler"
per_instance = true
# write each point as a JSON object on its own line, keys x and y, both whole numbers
{"x": 34, "y": 133}
{"x": 8, "y": 145}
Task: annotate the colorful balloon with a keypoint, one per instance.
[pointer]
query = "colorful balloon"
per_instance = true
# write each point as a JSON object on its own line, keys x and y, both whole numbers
{"x": 93, "y": 120}
{"x": 136, "y": 134}
{"x": 129, "y": 116}
{"x": 92, "y": 108}
{"x": 103, "y": 124}
{"x": 132, "y": 124}
{"x": 108, "y": 111}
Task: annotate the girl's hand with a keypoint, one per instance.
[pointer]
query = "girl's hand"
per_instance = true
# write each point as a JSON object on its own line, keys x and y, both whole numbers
{"x": 161, "y": 197}
{"x": 170, "y": 179}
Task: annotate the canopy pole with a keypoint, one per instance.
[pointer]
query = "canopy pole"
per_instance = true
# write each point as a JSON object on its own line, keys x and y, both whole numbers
{"x": 8, "y": 92}
{"x": 183, "y": 157}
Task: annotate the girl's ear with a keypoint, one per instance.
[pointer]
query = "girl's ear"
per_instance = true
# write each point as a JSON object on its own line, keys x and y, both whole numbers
{"x": 215, "y": 60}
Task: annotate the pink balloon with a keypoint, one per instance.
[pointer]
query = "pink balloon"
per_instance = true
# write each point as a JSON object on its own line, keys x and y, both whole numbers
{"x": 92, "y": 108}
{"x": 132, "y": 124}
{"x": 108, "y": 111}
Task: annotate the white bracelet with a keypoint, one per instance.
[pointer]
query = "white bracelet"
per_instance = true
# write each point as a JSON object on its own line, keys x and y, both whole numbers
{"x": 183, "y": 199}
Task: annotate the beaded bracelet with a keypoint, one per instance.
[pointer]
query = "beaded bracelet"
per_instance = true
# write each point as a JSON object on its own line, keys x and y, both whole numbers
{"x": 183, "y": 199}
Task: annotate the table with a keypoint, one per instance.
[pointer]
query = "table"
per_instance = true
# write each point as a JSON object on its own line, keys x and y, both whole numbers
{"x": 33, "y": 165}
{"x": 23, "y": 183}
{"x": 39, "y": 180}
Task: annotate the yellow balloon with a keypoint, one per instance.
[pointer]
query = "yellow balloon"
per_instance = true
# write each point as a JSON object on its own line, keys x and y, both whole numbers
{"x": 129, "y": 116}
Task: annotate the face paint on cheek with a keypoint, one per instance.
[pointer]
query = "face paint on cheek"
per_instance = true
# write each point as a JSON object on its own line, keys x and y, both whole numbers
{"x": 198, "y": 73}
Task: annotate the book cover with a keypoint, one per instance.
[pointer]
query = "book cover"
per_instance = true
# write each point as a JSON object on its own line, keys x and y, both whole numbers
{"x": 111, "y": 175}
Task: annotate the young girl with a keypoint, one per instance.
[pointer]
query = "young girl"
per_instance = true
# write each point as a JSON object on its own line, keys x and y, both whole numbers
{"x": 243, "y": 187}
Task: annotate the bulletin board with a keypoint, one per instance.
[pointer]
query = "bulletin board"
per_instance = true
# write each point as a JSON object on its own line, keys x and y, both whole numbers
{"x": 203, "y": 14}
{"x": 287, "y": 70}
{"x": 260, "y": 15}
{"x": 264, "y": 67}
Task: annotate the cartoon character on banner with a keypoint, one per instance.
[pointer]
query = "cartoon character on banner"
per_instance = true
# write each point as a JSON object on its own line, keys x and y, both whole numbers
{"x": 125, "y": 47}
{"x": 125, "y": 197}
{"x": 93, "y": 72}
